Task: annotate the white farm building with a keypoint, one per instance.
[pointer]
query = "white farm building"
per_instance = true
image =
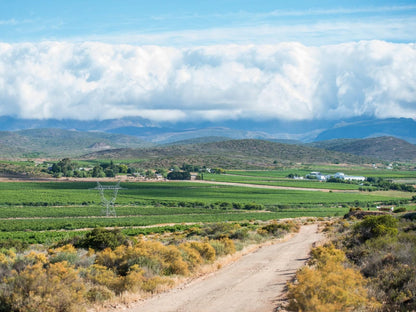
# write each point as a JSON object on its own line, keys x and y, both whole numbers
{"x": 342, "y": 176}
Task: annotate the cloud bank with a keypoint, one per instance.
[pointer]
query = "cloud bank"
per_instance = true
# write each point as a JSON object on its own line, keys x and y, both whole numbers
{"x": 289, "y": 81}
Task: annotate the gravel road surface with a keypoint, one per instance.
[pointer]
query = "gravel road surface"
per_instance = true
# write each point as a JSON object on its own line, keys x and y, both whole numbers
{"x": 251, "y": 284}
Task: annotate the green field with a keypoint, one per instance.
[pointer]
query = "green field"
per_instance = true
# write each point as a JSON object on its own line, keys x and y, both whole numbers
{"x": 329, "y": 169}
{"x": 277, "y": 181}
{"x": 40, "y": 212}
{"x": 81, "y": 193}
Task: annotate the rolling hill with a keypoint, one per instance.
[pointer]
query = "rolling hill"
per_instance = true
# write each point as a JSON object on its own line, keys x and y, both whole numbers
{"x": 247, "y": 153}
{"x": 384, "y": 148}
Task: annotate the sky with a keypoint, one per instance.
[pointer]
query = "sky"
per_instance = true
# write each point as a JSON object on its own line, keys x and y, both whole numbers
{"x": 208, "y": 60}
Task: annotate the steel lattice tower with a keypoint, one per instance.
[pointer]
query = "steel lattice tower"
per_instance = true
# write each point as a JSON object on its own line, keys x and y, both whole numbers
{"x": 109, "y": 209}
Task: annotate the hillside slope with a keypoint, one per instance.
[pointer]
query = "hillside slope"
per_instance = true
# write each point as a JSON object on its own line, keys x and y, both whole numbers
{"x": 385, "y": 148}
{"x": 230, "y": 154}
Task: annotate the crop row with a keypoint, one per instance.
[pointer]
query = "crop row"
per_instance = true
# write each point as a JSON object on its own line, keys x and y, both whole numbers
{"x": 78, "y": 193}
{"x": 48, "y": 237}
{"x": 93, "y": 210}
{"x": 131, "y": 221}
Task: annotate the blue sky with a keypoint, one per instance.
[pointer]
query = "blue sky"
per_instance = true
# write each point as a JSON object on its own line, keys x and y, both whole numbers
{"x": 207, "y": 60}
{"x": 189, "y": 23}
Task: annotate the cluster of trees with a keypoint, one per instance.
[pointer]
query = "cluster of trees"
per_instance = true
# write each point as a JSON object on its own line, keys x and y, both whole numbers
{"x": 67, "y": 168}
{"x": 381, "y": 184}
{"x": 184, "y": 172}
{"x": 179, "y": 175}
{"x": 109, "y": 169}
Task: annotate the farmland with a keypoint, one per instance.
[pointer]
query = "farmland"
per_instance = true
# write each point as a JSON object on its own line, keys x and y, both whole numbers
{"x": 40, "y": 212}
{"x": 277, "y": 181}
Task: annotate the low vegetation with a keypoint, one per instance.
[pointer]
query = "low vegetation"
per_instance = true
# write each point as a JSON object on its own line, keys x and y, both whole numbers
{"x": 370, "y": 265}
{"x": 78, "y": 272}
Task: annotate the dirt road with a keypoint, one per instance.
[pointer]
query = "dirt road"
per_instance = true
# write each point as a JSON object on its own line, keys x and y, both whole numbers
{"x": 276, "y": 187}
{"x": 252, "y": 284}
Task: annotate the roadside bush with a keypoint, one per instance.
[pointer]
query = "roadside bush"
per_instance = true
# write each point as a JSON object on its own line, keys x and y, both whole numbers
{"x": 327, "y": 285}
{"x": 156, "y": 283}
{"x": 56, "y": 287}
{"x": 191, "y": 256}
{"x": 100, "y": 239}
{"x": 376, "y": 226}
{"x": 206, "y": 251}
{"x": 224, "y": 246}
{"x": 99, "y": 293}
{"x": 385, "y": 251}
{"x": 134, "y": 279}
{"x": 278, "y": 229}
{"x": 102, "y": 275}
{"x": 219, "y": 230}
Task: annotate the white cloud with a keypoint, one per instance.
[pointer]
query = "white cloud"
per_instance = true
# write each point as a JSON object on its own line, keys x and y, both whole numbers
{"x": 283, "y": 81}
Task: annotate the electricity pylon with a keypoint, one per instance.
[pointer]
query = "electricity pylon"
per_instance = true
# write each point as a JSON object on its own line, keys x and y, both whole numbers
{"x": 108, "y": 204}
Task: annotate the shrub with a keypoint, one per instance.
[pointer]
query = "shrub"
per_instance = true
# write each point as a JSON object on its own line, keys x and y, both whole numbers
{"x": 101, "y": 275}
{"x": 156, "y": 283}
{"x": 99, "y": 293}
{"x": 206, "y": 251}
{"x": 326, "y": 285}
{"x": 224, "y": 246}
{"x": 191, "y": 256}
{"x": 410, "y": 216}
{"x": 134, "y": 278}
{"x": 100, "y": 239}
{"x": 54, "y": 288}
{"x": 277, "y": 229}
{"x": 375, "y": 226}
{"x": 219, "y": 230}
{"x": 399, "y": 210}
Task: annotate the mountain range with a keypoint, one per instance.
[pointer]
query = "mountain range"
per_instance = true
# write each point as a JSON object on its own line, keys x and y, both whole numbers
{"x": 135, "y": 138}
{"x": 161, "y": 133}
{"x": 51, "y": 142}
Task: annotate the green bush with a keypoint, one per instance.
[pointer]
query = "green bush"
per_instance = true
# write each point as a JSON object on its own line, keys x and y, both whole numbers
{"x": 100, "y": 239}
{"x": 399, "y": 210}
{"x": 376, "y": 226}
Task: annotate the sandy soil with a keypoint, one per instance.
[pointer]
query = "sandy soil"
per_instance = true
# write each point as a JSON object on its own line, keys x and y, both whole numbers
{"x": 254, "y": 283}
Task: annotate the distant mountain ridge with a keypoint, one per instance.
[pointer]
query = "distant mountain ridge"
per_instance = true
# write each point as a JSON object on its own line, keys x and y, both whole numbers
{"x": 403, "y": 128}
{"x": 161, "y": 133}
{"x": 61, "y": 143}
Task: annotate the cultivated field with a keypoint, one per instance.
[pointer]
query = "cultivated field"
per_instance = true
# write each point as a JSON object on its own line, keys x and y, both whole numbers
{"x": 39, "y": 212}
